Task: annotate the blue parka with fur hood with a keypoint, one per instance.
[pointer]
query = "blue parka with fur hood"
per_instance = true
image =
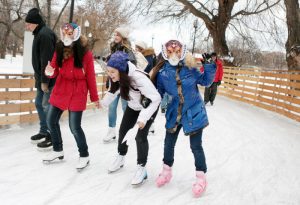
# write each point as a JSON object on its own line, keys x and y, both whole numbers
{"x": 191, "y": 114}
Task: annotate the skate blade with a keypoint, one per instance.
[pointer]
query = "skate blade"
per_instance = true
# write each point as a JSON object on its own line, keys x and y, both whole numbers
{"x": 139, "y": 184}
{"x": 109, "y": 141}
{"x": 37, "y": 141}
{"x": 53, "y": 160}
{"x": 45, "y": 149}
{"x": 82, "y": 168}
{"x": 110, "y": 172}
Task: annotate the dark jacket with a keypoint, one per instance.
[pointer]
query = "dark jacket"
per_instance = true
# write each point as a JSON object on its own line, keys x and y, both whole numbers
{"x": 42, "y": 51}
{"x": 150, "y": 57}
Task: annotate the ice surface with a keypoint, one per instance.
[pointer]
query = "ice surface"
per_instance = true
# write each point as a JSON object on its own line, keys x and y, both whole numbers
{"x": 253, "y": 157}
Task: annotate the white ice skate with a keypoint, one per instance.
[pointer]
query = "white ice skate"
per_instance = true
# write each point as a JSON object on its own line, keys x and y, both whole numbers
{"x": 53, "y": 156}
{"x": 117, "y": 164}
{"x": 83, "y": 162}
{"x": 140, "y": 176}
{"x": 110, "y": 136}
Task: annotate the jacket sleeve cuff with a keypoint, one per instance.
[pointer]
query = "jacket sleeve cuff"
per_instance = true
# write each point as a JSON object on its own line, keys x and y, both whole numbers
{"x": 108, "y": 98}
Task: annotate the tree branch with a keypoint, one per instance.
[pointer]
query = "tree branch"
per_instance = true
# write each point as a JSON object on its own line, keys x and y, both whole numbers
{"x": 62, "y": 10}
{"x": 256, "y": 11}
{"x": 195, "y": 11}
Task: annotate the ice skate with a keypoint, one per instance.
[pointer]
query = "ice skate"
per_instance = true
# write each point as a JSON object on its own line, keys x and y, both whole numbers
{"x": 139, "y": 177}
{"x": 117, "y": 164}
{"x": 165, "y": 176}
{"x": 200, "y": 185}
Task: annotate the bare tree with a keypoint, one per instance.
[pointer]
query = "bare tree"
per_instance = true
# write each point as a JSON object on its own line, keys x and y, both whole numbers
{"x": 293, "y": 42}
{"x": 47, "y": 11}
{"x": 216, "y": 14}
{"x": 104, "y": 16}
{"x": 10, "y": 14}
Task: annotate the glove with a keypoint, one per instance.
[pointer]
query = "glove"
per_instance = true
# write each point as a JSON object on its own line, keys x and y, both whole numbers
{"x": 206, "y": 58}
{"x": 131, "y": 133}
{"x": 45, "y": 87}
{"x": 218, "y": 83}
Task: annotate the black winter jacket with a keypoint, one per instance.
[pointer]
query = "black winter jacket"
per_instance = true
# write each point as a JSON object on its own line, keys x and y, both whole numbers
{"x": 43, "y": 48}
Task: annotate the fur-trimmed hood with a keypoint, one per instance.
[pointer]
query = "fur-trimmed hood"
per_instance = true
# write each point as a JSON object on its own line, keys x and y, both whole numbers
{"x": 148, "y": 52}
{"x": 190, "y": 61}
{"x": 84, "y": 41}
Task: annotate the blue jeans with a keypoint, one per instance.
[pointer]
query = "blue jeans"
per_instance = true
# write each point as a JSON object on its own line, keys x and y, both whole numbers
{"x": 53, "y": 117}
{"x": 42, "y": 107}
{"x": 112, "y": 111}
{"x": 195, "y": 145}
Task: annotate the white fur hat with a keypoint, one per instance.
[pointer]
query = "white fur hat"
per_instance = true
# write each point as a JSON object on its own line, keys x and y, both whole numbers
{"x": 124, "y": 32}
{"x": 141, "y": 44}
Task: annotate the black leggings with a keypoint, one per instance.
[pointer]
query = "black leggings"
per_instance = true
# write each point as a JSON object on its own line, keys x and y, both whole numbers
{"x": 128, "y": 121}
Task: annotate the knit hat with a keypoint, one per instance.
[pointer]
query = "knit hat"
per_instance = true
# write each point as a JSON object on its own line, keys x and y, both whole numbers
{"x": 124, "y": 32}
{"x": 118, "y": 60}
{"x": 34, "y": 17}
{"x": 141, "y": 44}
{"x": 213, "y": 54}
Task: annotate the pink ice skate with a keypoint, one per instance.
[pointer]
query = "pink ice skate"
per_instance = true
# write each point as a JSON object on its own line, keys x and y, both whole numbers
{"x": 165, "y": 176}
{"x": 200, "y": 185}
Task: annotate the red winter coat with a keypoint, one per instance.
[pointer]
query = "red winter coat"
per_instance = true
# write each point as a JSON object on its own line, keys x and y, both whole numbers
{"x": 72, "y": 84}
{"x": 219, "y": 72}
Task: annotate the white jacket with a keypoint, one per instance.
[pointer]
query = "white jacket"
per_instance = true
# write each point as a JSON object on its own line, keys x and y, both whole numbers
{"x": 143, "y": 84}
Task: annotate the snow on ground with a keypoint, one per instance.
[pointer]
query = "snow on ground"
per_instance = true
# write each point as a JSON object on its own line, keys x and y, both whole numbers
{"x": 252, "y": 157}
{"x": 11, "y": 65}
{"x": 14, "y": 65}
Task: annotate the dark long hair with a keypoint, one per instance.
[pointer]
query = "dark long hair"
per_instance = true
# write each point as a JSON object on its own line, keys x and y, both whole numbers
{"x": 157, "y": 67}
{"x": 77, "y": 50}
{"x": 124, "y": 85}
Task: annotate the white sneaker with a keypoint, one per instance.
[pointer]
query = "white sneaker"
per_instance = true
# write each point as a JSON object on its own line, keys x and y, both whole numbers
{"x": 117, "y": 164}
{"x": 140, "y": 176}
{"x": 151, "y": 129}
{"x": 110, "y": 136}
{"x": 83, "y": 162}
{"x": 53, "y": 156}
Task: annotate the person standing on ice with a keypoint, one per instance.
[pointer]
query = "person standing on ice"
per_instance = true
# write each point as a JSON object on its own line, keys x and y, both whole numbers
{"x": 178, "y": 77}
{"x": 42, "y": 51}
{"x": 211, "y": 91}
{"x": 120, "y": 43}
{"x": 73, "y": 64}
{"x": 136, "y": 88}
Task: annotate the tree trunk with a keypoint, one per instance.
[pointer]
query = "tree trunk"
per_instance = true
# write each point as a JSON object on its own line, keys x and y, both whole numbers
{"x": 219, "y": 41}
{"x": 293, "y": 42}
{"x": 14, "y": 49}
{"x": 49, "y": 13}
{"x": 4, "y": 43}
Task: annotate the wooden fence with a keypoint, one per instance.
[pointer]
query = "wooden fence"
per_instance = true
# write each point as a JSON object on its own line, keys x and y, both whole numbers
{"x": 277, "y": 91}
{"x": 17, "y": 94}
